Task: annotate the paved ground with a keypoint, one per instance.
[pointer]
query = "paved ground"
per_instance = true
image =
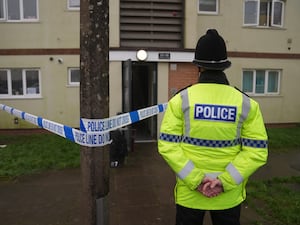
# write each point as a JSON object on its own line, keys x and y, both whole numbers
{"x": 141, "y": 193}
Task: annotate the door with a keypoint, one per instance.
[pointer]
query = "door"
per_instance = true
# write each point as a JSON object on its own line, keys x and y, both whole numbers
{"x": 140, "y": 91}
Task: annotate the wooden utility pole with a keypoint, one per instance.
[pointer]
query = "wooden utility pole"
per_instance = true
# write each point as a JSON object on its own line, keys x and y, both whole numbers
{"x": 94, "y": 104}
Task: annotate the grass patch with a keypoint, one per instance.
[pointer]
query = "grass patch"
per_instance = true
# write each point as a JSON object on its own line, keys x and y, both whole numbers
{"x": 276, "y": 200}
{"x": 282, "y": 139}
{"x": 28, "y": 154}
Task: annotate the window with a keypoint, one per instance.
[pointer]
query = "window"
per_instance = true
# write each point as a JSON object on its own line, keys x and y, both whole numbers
{"x": 18, "y": 10}
{"x": 209, "y": 6}
{"x": 2, "y": 10}
{"x": 19, "y": 83}
{"x": 261, "y": 82}
{"x": 74, "y": 4}
{"x": 263, "y": 13}
{"x": 74, "y": 76}
{"x": 3, "y": 82}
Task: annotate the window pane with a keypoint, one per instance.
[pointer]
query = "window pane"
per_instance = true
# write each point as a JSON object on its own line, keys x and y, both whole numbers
{"x": 74, "y": 3}
{"x": 16, "y": 82}
{"x": 264, "y": 14}
{"x": 1, "y": 9}
{"x": 277, "y": 13}
{"x": 75, "y": 76}
{"x": 30, "y": 9}
{"x": 248, "y": 81}
{"x": 250, "y": 16}
{"x": 273, "y": 81}
{"x": 3, "y": 82}
{"x": 13, "y": 10}
{"x": 260, "y": 82}
{"x": 208, "y": 5}
{"x": 32, "y": 82}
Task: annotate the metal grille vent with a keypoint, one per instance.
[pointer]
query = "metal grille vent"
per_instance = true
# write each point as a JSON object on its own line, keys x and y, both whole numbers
{"x": 154, "y": 24}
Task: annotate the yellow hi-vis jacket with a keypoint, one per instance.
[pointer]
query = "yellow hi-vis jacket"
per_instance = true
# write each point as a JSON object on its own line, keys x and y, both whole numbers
{"x": 212, "y": 130}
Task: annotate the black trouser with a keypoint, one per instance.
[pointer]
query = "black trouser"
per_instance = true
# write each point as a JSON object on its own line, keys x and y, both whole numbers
{"x": 187, "y": 216}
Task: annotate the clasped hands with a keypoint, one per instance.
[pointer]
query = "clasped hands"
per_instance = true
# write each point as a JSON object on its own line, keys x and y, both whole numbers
{"x": 210, "y": 187}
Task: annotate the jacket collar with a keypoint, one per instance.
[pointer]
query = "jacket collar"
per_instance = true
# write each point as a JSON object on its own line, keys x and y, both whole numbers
{"x": 213, "y": 76}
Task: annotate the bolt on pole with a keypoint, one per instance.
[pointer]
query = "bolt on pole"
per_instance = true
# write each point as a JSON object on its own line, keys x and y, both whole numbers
{"x": 94, "y": 104}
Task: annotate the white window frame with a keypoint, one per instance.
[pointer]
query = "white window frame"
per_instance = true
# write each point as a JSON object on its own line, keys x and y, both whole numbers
{"x": 273, "y": 11}
{"x": 24, "y": 85}
{"x": 21, "y": 13}
{"x": 270, "y": 17}
{"x": 70, "y": 82}
{"x": 255, "y": 23}
{"x": 24, "y": 73}
{"x": 71, "y": 6}
{"x": 209, "y": 12}
{"x": 4, "y": 9}
{"x": 266, "y": 81}
{"x": 8, "y": 82}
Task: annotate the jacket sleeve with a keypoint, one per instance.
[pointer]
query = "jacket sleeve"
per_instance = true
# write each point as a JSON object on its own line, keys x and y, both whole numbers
{"x": 254, "y": 150}
{"x": 169, "y": 145}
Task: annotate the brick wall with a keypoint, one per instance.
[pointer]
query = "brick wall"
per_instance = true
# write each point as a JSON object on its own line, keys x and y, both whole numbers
{"x": 181, "y": 75}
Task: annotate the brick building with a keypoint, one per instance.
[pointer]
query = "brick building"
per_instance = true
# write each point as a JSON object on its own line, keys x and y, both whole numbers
{"x": 39, "y": 55}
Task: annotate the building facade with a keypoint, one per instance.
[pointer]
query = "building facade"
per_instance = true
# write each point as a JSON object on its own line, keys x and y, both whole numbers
{"x": 39, "y": 55}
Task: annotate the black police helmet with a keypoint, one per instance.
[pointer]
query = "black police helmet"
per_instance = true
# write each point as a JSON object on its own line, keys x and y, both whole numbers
{"x": 211, "y": 52}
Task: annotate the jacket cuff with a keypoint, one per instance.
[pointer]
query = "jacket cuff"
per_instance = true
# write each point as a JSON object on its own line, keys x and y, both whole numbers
{"x": 227, "y": 181}
{"x": 194, "y": 180}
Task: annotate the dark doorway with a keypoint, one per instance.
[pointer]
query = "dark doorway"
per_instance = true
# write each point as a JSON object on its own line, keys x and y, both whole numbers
{"x": 140, "y": 91}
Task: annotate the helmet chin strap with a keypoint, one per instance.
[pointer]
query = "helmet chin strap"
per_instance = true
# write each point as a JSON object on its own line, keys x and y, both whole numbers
{"x": 201, "y": 69}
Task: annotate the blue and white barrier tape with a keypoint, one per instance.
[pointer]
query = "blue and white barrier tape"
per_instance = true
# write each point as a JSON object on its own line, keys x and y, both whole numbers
{"x": 74, "y": 135}
{"x": 115, "y": 122}
{"x": 94, "y": 132}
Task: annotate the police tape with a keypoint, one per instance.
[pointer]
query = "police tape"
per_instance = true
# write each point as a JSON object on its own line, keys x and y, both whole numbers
{"x": 93, "y": 132}
{"x": 115, "y": 122}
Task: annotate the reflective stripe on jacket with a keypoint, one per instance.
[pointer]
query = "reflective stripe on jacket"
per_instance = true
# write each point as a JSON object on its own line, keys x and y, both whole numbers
{"x": 212, "y": 130}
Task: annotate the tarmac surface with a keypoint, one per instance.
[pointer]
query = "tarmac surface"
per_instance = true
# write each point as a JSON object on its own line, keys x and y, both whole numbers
{"x": 141, "y": 192}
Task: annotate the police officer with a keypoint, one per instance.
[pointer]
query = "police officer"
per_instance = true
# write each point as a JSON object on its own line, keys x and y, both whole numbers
{"x": 213, "y": 137}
